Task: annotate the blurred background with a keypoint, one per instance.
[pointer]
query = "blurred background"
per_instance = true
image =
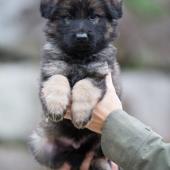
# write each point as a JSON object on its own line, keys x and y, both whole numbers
{"x": 144, "y": 56}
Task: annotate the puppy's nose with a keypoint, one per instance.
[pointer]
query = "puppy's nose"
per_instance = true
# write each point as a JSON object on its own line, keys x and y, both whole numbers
{"x": 81, "y": 37}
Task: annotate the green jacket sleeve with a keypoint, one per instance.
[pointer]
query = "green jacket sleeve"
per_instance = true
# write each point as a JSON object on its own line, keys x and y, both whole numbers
{"x": 133, "y": 145}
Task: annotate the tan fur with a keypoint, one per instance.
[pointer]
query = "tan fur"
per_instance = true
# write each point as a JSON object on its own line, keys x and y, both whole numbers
{"x": 56, "y": 92}
{"x": 84, "y": 98}
{"x": 96, "y": 5}
{"x": 109, "y": 31}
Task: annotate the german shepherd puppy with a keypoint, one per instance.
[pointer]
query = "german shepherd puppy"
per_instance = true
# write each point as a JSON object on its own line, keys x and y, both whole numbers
{"x": 78, "y": 55}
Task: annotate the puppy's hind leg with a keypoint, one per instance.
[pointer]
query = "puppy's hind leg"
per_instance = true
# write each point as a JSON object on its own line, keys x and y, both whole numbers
{"x": 85, "y": 95}
{"x": 44, "y": 146}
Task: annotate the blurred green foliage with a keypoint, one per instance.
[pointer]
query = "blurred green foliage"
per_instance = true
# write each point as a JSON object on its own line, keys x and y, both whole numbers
{"x": 145, "y": 8}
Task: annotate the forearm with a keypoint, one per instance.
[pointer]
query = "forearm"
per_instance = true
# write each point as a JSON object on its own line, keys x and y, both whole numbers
{"x": 132, "y": 145}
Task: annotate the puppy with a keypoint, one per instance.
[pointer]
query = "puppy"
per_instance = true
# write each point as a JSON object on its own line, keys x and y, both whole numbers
{"x": 78, "y": 55}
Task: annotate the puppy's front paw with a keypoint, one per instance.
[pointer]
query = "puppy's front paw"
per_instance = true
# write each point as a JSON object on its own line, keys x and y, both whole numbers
{"x": 56, "y": 96}
{"x": 81, "y": 118}
{"x": 84, "y": 98}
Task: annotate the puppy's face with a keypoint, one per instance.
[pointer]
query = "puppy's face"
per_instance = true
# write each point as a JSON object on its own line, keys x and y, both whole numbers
{"x": 81, "y": 26}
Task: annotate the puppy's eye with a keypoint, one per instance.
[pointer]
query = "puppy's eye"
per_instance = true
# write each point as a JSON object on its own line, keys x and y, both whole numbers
{"x": 94, "y": 19}
{"x": 67, "y": 19}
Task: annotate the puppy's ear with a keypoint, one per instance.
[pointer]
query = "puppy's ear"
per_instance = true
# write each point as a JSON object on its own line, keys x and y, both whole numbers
{"x": 115, "y": 8}
{"x": 48, "y": 8}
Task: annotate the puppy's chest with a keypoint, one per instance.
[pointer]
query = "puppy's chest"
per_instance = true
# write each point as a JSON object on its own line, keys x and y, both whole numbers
{"x": 94, "y": 70}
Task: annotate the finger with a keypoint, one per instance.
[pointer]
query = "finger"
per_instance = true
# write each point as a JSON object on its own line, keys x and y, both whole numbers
{"x": 109, "y": 82}
{"x": 110, "y": 94}
{"x": 66, "y": 166}
{"x": 86, "y": 163}
{"x": 67, "y": 115}
{"x": 114, "y": 166}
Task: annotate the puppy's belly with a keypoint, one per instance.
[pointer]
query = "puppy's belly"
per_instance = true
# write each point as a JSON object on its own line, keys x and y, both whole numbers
{"x": 68, "y": 130}
{"x": 75, "y": 143}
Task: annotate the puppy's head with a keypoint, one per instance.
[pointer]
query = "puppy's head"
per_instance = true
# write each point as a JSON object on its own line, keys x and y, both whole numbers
{"x": 81, "y": 26}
